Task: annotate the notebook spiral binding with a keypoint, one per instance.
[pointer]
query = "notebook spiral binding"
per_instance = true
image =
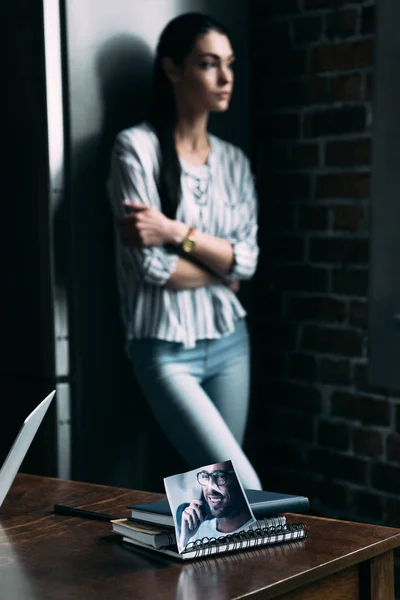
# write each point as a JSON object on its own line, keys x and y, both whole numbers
{"x": 250, "y": 538}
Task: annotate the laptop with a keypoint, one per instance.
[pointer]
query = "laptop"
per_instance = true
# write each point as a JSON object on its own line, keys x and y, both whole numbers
{"x": 21, "y": 445}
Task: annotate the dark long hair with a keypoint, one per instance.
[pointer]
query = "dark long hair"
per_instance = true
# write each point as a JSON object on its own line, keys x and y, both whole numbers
{"x": 176, "y": 42}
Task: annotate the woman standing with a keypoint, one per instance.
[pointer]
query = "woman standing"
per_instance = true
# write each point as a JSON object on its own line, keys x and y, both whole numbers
{"x": 186, "y": 216}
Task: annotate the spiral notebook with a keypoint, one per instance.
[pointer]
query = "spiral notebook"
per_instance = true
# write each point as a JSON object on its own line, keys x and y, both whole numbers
{"x": 212, "y": 515}
{"x": 244, "y": 540}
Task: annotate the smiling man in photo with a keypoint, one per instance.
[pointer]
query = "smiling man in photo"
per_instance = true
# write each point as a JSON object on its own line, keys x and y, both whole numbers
{"x": 222, "y": 508}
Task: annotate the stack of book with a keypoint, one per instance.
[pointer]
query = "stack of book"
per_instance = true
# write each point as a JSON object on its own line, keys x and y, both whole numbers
{"x": 151, "y": 526}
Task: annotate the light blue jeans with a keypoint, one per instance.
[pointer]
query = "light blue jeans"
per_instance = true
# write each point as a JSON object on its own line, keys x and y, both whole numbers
{"x": 200, "y": 397}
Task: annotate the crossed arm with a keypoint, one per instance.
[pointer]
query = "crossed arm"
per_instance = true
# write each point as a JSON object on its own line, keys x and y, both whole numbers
{"x": 149, "y": 234}
{"x": 146, "y": 226}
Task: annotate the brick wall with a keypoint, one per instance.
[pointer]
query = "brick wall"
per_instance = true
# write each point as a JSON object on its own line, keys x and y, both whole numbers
{"x": 321, "y": 429}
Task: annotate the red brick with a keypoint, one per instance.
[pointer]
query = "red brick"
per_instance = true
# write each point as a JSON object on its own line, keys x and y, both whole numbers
{"x": 346, "y": 468}
{"x": 276, "y": 95}
{"x": 353, "y": 55}
{"x": 303, "y": 366}
{"x": 385, "y": 477}
{"x": 367, "y": 504}
{"x": 308, "y": 29}
{"x": 346, "y": 405}
{"x": 352, "y": 282}
{"x": 348, "y": 218}
{"x": 334, "y": 372}
{"x": 359, "y": 314}
{"x": 346, "y": 87}
{"x": 341, "y": 23}
{"x": 348, "y": 153}
{"x": 286, "y": 84}
{"x": 331, "y": 341}
{"x": 343, "y": 185}
{"x": 360, "y": 374}
{"x": 314, "y": 90}
{"x": 313, "y": 217}
{"x": 304, "y": 155}
{"x": 339, "y": 251}
{"x": 357, "y": 407}
{"x": 317, "y": 308}
{"x": 297, "y": 396}
{"x": 368, "y": 442}
{"x": 393, "y": 448}
{"x": 333, "y": 435}
{"x": 306, "y": 279}
{"x": 360, "y": 380}
{"x": 334, "y": 121}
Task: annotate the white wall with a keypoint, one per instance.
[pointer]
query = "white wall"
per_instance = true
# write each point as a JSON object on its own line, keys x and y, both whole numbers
{"x": 110, "y": 45}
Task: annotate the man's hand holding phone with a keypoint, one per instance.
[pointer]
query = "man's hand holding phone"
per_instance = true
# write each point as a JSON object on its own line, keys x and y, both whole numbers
{"x": 192, "y": 517}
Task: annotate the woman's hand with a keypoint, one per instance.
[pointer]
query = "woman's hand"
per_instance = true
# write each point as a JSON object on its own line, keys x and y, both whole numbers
{"x": 234, "y": 285}
{"x": 145, "y": 226}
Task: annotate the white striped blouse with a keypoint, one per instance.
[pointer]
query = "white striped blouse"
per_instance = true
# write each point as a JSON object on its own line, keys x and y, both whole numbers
{"x": 217, "y": 198}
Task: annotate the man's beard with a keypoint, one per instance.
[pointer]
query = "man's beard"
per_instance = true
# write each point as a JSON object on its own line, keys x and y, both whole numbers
{"x": 227, "y": 508}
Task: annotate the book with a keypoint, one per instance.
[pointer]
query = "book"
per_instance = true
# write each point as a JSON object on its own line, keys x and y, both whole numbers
{"x": 153, "y": 535}
{"x": 160, "y": 537}
{"x": 244, "y": 540}
{"x": 212, "y": 515}
{"x": 262, "y": 503}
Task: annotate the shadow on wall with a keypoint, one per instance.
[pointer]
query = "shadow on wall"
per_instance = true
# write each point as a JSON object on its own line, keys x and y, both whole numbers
{"x": 124, "y": 67}
{"x": 115, "y": 438}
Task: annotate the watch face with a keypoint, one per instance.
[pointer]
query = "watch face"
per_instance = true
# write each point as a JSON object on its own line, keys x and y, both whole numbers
{"x": 188, "y": 245}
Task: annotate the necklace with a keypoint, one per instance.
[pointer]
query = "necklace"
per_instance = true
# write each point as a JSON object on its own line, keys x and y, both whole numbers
{"x": 198, "y": 183}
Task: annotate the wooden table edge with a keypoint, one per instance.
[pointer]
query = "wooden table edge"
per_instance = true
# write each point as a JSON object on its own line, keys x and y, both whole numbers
{"x": 289, "y": 584}
{"x": 329, "y": 568}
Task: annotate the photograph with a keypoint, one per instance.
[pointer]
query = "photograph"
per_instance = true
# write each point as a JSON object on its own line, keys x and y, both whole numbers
{"x": 207, "y": 503}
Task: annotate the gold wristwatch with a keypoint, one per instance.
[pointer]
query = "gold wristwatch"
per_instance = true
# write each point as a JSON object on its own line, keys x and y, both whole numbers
{"x": 189, "y": 241}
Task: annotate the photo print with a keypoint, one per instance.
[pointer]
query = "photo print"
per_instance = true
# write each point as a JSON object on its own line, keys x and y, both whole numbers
{"x": 207, "y": 503}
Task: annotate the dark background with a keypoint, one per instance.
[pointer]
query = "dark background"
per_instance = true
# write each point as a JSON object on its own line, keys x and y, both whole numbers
{"x": 325, "y": 416}
{"x": 326, "y": 141}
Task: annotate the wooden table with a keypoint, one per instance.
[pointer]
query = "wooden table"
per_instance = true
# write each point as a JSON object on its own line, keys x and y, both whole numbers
{"x": 51, "y": 557}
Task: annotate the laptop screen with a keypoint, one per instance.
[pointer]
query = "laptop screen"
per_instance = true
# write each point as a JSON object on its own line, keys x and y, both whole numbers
{"x": 21, "y": 445}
